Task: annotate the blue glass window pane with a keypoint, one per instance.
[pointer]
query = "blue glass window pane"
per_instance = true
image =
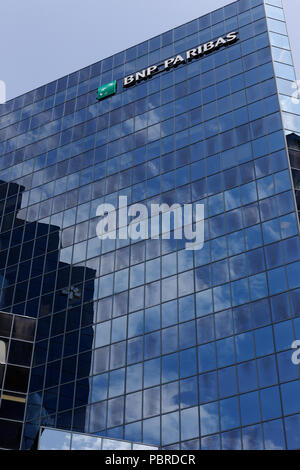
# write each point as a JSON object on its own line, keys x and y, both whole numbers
{"x": 249, "y": 408}
{"x": 186, "y": 308}
{"x": 264, "y": 341}
{"x": 247, "y": 376}
{"x": 270, "y": 403}
{"x": 274, "y": 435}
{"x": 170, "y": 428}
{"x": 267, "y": 371}
{"x": 170, "y": 369}
{"x": 252, "y": 438}
{"x": 189, "y": 423}
{"x": 293, "y": 439}
{"x": 152, "y": 373}
{"x": 225, "y": 352}
{"x": 188, "y": 362}
{"x": 188, "y": 392}
{"x": 209, "y": 418}
{"x": 229, "y": 410}
{"x": 227, "y": 382}
{"x": 204, "y": 302}
{"x": 290, "y": 393}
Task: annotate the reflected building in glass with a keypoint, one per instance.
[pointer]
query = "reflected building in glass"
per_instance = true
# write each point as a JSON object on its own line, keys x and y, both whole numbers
{"x": 143, "y": 340}
{"x": 16, "y": 346}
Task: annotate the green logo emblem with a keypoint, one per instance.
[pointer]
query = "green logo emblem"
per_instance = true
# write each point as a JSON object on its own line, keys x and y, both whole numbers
{"x": 107, "y": 90}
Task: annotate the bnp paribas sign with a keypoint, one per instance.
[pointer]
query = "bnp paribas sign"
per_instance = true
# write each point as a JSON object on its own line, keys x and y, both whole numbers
{"x": 111, "y": 88}
{"x": 189, "y": 55}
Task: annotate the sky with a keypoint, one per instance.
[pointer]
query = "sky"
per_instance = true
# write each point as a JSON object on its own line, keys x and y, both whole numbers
{"x": 43, "y": 40}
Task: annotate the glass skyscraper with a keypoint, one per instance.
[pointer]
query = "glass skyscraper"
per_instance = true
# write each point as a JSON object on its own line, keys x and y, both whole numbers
{"x": 143, "y": 340}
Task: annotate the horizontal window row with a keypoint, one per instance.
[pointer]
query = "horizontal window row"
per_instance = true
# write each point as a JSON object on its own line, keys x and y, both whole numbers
{"x": 141, "y": 273}
{"x": 261, "y": 124}
{"x": 154, "y": 370}
{"x": 204, "y": 330}
{"x": 214, "y": 417}
{"x": 169, "y": 397}
{"x": 277, "y": 433}
{"x": 266, "y": 144}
